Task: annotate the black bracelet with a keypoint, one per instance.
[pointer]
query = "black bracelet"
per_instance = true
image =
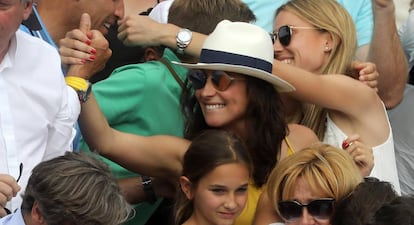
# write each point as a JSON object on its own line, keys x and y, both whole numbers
{"x": 148, "y": 189}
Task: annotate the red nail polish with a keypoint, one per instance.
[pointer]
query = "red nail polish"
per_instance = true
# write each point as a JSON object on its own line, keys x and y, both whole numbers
{"x": 83, "y": 61}
{"x": 345, "y": 144}
{"x": 92, "y": 57}
{"x": 88, "y": 42}
{"x": 93, "y": 51}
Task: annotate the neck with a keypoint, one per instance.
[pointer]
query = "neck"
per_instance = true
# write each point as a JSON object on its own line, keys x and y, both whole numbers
{"x": 55, "y": 21}
{"x": 240, "y": 129}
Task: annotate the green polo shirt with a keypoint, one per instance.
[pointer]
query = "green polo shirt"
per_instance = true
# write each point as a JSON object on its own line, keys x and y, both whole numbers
{"x": 142, "y": 99}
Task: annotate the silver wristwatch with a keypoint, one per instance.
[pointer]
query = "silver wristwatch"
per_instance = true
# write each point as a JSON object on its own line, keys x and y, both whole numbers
{"x": 183, "y": 38}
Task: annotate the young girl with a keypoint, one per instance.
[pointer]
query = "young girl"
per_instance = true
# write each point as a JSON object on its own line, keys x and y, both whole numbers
{"x": 214, "y": 181}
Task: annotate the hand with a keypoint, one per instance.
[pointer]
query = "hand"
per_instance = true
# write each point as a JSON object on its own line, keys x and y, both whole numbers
{"x": 139, "y": 30}
{"x": 8, "y": 190}
{"x": 361, "y": 153}
{"x": 76, "y": 47}
{"x": 97, "y": 42}
{"x": 367, "y": 73}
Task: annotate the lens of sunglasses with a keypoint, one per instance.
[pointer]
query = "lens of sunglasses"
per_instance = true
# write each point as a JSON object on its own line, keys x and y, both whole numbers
{"x": 221, "y": 81}
{"x": 320, "y": 209}
{"x": 284, "y": 35}
{"x": 197, "y": 79}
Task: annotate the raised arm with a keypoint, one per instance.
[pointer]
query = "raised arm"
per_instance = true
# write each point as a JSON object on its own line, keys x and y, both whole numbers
{"x": 153, "y": 156}
{"x": 387, "y": 53}
{"x": 333, "y": 91}
{"x": 354, "y": 105}
{"x": 142, "y": 30}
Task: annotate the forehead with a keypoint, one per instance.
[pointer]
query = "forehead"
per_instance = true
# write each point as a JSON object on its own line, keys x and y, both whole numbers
{"x": 304, "y": 192}
{"x": 227, "y": 175}
{"x": 285, "y": 17}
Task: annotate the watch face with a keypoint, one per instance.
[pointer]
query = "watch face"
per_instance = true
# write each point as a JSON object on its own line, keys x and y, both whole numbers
{"x": 184, "y": 35}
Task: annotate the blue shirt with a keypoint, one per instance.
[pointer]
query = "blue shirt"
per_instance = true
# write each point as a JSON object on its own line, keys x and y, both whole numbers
{"x": 13, "y": 219}
{"x": 360, "y": 11}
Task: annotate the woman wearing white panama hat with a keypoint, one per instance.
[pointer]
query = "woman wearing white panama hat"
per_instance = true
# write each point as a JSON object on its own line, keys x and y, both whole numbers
{"x": 232, "y": 89}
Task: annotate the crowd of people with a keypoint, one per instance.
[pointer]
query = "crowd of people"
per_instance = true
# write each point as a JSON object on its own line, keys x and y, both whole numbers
{"x": 205, "y": 112}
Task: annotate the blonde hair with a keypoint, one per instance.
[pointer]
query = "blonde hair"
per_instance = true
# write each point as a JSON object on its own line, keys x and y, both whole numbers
{"x": 329, "y": 171}
{"x": 331, "y": 17}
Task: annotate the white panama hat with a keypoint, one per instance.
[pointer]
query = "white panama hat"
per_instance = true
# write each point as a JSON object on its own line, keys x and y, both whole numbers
{"x": 241, "y": 48}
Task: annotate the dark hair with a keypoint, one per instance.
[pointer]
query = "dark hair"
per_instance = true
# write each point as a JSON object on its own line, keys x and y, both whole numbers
{"x": 266, "y": 125}
{"x": 207, "y": 151}
{"x": 75, "y": 189}
{"x": 359, "y": 208}
{"x": 400, "y": 211}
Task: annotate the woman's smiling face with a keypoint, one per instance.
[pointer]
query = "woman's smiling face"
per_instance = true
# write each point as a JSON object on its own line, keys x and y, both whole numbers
{"x": 308, "y": 45}
{"x": 224, "y": 109}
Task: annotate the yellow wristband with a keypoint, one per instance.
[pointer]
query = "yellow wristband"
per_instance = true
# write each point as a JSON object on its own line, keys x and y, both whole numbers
{"x": 77, "y": 83}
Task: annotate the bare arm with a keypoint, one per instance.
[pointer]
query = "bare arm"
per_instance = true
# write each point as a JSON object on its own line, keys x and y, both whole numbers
{"x": 387, "y": 53}
{"x": 142, "y": 30}
{"x": 153, "y": 156}
{"x": 334, "y": 91}
{"x": 353, "y": 105}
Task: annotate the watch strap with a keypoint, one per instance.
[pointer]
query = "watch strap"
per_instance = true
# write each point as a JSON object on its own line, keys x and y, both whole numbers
{"x": 182, "y": 44}
{"x": 81, "y": 86}
{"x": 148, "y": 189}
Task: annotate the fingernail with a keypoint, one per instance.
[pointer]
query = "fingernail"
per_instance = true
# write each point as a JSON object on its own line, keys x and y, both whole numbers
{"x": 93, "y": 51}
{"x": 345, "y": 144}
{"x": 88, "y": 42}
{"x": 83, "y": 61}
{"x": 92, "y": 57}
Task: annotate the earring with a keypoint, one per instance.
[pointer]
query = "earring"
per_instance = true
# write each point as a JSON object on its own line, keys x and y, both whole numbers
{"x": 327, "y": 48}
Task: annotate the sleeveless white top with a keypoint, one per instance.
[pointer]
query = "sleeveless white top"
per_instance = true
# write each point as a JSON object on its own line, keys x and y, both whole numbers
{"x": 385, "y": 167}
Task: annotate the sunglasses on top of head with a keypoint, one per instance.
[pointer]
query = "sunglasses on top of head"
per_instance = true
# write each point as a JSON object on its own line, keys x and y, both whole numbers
{"x": 221, "y": 80}
{"x": 320, "y": 209}
{"x": 284, "y": 34}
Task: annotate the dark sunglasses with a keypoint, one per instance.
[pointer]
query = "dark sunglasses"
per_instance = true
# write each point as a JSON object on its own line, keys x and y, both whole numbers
{"x": 284, "y": 34}
{"x": 319, "y": 209}
{"x": 220, "y": 79}
{"x": 8, "y": 211}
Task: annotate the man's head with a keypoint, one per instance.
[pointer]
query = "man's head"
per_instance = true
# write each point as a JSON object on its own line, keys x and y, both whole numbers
{"x": 74, "y": 189}
{"x": 67, "y": 13}
{"x": 12, "y": 13}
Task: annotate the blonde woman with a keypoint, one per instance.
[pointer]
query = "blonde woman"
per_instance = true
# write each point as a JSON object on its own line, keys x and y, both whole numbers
{"x": 312, "y": 179}
{"x": 316, "y": 38}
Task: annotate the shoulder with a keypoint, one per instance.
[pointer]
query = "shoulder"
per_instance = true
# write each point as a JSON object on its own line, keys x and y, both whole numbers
{"x": 301, "y": 136}
{"x": 30, "y": 42}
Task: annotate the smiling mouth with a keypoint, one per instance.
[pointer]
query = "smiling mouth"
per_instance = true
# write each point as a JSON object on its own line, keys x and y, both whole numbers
{"x": 286, "y": 61}
{"x": 215, "y": 106}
